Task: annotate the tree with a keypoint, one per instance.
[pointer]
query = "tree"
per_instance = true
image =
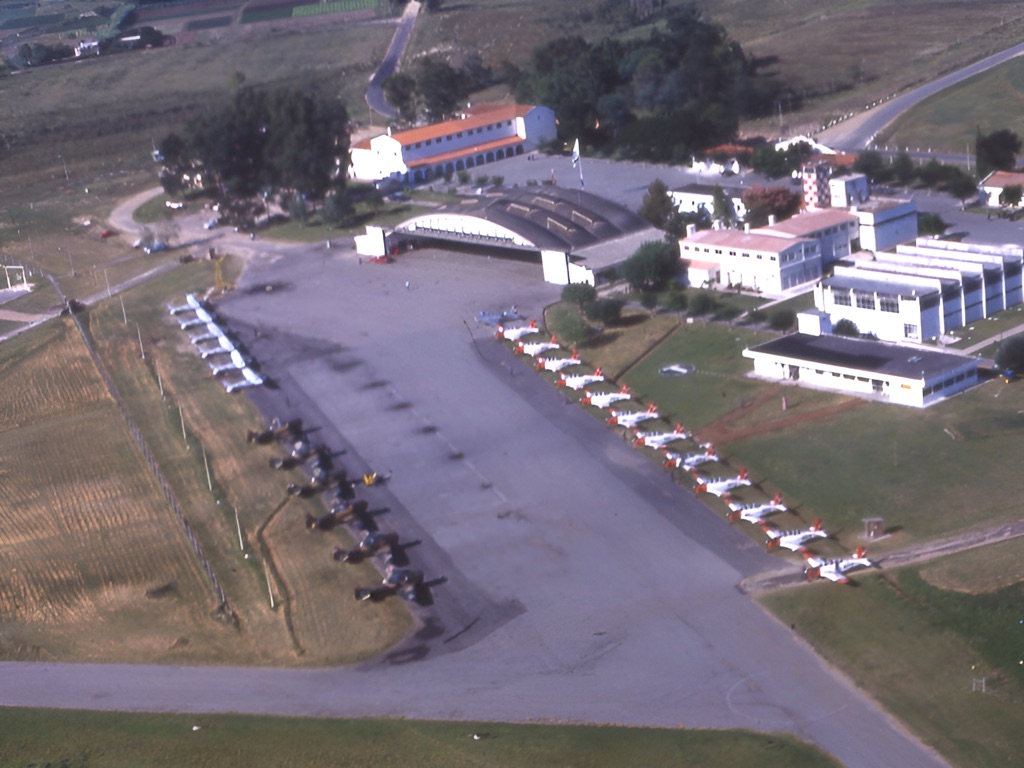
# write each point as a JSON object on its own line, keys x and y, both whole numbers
{"x": 930, "y": 224}
{"x": 579, "y": 294}
{"x": 400, "y": 91}
{"x": 725, "y": 211}
{"x": 903, "y": 168}
{"x": 960, "y": 184}
{"x": 651, "y": 266}
{"x": 996, "y": 151}
{"x": 781, "y": 319}
{"x": 703, "y": 303}
{"x": 870, "y": 163}
{"x": 657, "y": 205}
{"x": 762, "y": 202}
{"x": 846, "y": 327}
{"x": 1010, "y": 354}
{"x": 439, "y": 85}
{"x": 603, "y": 311}
{"x": 1010, "y": 196}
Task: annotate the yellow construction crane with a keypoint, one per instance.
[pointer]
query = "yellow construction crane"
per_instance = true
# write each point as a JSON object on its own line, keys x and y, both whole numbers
{"x": 220, "y": 285}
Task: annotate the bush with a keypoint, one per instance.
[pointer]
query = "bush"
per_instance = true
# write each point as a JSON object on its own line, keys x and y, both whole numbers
{"x": 781, "y": 319}
{"x": 676, "y": 302}
{"x": 603, "y": 311}
{"x": 1010, "y": 354}
{"x": 757, "y": 316}
{"x": 702, "y": 304}
{"x": 846, "y": 327}
{"x": 579, "y": 294}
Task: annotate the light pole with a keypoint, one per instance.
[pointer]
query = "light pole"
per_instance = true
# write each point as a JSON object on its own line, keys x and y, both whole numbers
{"x": 66, "y": 176}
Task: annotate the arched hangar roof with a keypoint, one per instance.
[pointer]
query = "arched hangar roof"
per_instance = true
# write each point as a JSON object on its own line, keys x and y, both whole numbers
{"x": 534, "y": 218}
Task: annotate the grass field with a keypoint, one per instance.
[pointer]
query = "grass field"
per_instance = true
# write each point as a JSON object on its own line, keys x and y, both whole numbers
{"x": 152, "y": 741}
{"x": 922, "y": 650}
{"x": 950, "y": 121}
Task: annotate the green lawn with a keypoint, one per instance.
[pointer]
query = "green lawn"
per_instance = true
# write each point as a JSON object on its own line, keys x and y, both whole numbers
{"x": 151, "y": 741}
{"x": 922, "y": 652}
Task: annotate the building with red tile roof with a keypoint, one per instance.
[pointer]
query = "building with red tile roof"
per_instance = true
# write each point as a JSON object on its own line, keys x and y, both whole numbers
{"x": 481, "y": 134}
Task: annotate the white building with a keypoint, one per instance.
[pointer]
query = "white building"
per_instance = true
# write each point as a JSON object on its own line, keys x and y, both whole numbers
{"x": 848, "y": 191}
{"x": 888, "y": 372}
{"x": 700, "y": 198}
{"x": 482, "y": 134}
{"x": 885, "y": 223}
{"x": 751, "y": 260}
{"x": 833, "y": 229}
{"x": 923, "y": 291}
{"x": 992, "y": 186}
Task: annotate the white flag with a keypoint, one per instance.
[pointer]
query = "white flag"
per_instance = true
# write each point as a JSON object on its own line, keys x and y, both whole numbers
{"x": 575, "y": 153}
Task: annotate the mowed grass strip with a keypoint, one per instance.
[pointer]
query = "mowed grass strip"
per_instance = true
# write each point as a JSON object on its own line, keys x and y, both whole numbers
{"x": 152, "y": 741}
{"x": 923, "y": 651}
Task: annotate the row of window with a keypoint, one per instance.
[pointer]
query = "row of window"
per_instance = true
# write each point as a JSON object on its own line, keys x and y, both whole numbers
{"x": 945, "y": 384}
{"x": 866, "y": 300}
{"x": 459, "y": 135}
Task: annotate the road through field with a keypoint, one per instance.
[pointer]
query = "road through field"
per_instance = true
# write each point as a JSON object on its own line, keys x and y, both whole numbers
{"x": 582, "y": 585}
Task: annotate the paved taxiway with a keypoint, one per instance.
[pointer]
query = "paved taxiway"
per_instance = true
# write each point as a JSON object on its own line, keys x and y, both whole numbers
{"x": 582, "y": 586}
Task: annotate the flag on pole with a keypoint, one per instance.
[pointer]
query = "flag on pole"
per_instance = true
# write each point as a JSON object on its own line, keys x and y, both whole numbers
{"x": 576, "y": 161}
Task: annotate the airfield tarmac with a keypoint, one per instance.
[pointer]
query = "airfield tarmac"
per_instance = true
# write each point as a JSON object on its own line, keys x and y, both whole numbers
{"x": 581, "y": 585}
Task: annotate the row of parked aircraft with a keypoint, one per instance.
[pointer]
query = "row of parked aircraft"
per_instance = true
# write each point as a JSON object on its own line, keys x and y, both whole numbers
{"x": 665, "y": 440}
{"x": 225, "y": 360}
{"x": 343, "y": 508}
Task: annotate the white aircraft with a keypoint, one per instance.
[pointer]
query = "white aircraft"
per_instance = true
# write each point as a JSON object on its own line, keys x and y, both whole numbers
{"x": 224, "y": 346}
{"x": 580, "y": 381}
{"x": 604, "y": 400}
{"x": 755, "y": 513}
{"x": 212, "y": 331}
{"x": 534, "y": 348}
{"x": 250, "y": 379}
{"x": 237, "y": 363}
{"x": 691, "y": 460}
{"x": 835, "y": 569}
{"x": 719, "y": 486}
{"x": 661, "y": 439}
{"x": 632, "y": 418}
{"x": 793, "y": 540}
{"x": 515, "y": 333}
{"x": 191, "y": 304}
{"x": 558, "y": 363}
{"x": 202, "y": 316}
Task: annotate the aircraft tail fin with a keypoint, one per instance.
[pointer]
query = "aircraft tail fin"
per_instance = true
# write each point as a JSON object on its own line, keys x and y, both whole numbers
{"x": 702, "y": 488}
{"x": 743, "y": 474}
{"x": 777, "y": 499}
{"x": 816, "y": 525}
{"x": 860, "y": 553}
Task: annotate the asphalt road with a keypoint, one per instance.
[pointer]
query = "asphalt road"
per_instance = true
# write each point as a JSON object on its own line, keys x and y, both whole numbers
{"x": 582, "y": 585}
{"x": 389, "y": 65}
{"x": 859, "y": 131}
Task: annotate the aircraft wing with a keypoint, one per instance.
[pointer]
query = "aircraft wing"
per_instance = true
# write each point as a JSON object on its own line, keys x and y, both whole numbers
{"x": 203, "y": 315}
{"x": 193, "y": 301}
{"x": 252, "y": 377}
{"x": 237, "y": 359}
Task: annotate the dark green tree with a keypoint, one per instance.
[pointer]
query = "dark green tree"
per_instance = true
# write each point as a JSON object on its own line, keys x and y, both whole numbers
{"x": 400, "y": 91}
{"x": 702, "y": 303}
{"x": 1010, "y": 354}
{"x": 439, "y": 85}
{"x": 846, "y": 327}
{"x": 996, "y": 151}
{"x": 652, "y": 266}
{"x": 903, "y": 168}
{"x": 657, "y": 205}
{"x": 603, "y": 311}
{"x": 870, "y": 163}
{"x": 1010, "y": 197}
{"x": 579, "y": 294}
{"x": 725, "y": 211}
{"x": 781, "y": 318}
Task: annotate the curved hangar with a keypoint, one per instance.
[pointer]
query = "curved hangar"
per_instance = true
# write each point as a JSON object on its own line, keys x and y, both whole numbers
{"x": 575, "y": 234}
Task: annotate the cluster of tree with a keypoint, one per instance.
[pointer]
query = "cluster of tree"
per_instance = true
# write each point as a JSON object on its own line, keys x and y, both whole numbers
{"x": 775, "y": 163}
{"x": 434, "y": 86}
{"x": 664, "y": 96}
{"x": 37, "y": 54}
{"x": 996, "y": 151}
{"x": 263, "y": 143}
{"x": 902, "y": 170}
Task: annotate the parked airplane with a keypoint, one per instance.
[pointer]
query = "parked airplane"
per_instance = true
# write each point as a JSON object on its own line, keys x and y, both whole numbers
{"x": 793, "y": 540}
{"x": 516, "y": 332}
{"x": 397, "y": 581}
{"x": 201, "y": 317}
{"x": 632, "y": 418}
{"x": 212, "y": 331}
{"x": 277, "y": 431}
{"x": 579, "y": 381}
{"x": 368, "y": 545}
{"x": 249, "y": 379}
{"x": 558, "y": 363}
{"x": 691, "y": 460}
{"x": 237, "y": 363}
{"x": 494, "y": 318}
{"x": 661, "y": 439}
{"x": 835, "y": 569}
{"x": 224, "y": 346}
{"x": 534, "y": 348}
{"x": 604, "y": 400}
{"x": 719, "y": 486}
{"x": 755, "y": 513}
